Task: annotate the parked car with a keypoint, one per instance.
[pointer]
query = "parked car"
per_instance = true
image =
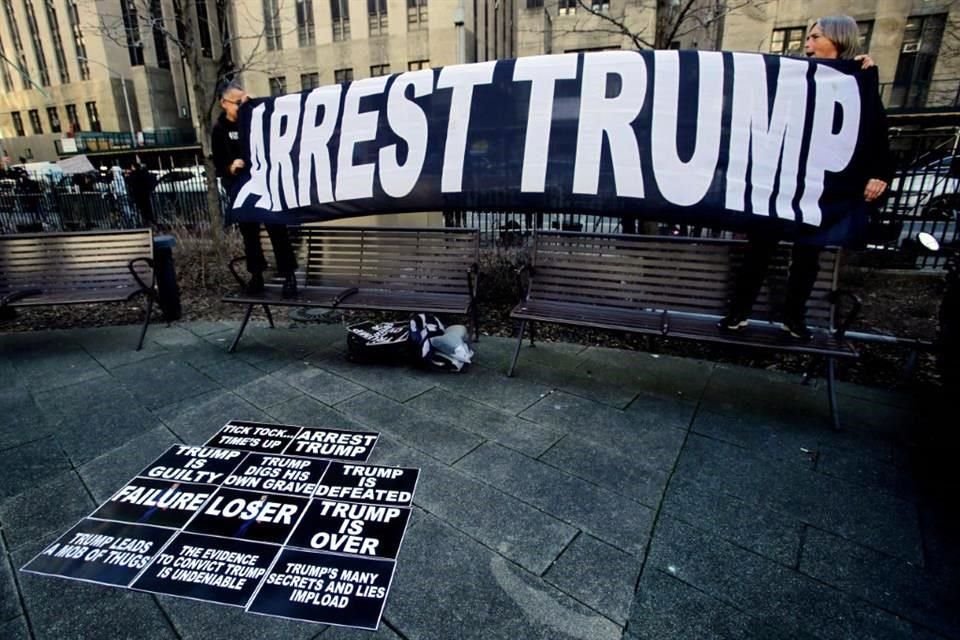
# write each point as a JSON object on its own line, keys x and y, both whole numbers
{"x": 928, "y": 190}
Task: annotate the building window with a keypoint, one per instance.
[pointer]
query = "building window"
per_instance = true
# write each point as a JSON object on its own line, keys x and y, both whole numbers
{"x": 78, "y": 44}
{"x": 602, "y": 7}
{"x": 417, "y": 14}
{"x": 416, "y": 65}
{"x": 159, "y": 36}
{"x": 912, "y": 83}
{"x": 309, "y": 81}
{"x": 380, "y": 70}
{"x": 17, "y": 44}
{"x": 37, "y": 44}
{"x": 58, "y": 53}
{"x": 203, "y": 27}
{"x": 278, "y": 85}
{"x": 534, "y": 4}
{"x": 72, "y": 118}
{"x": 35, "y": 123}
{"x": 789, "y": 41}
{"x": 54, "y": 119}
{"x": 305, "y": 31}
{"x": 131, "y": 28}
{"x": 568, "y": 7}
{"x": 377, "y": 10}
{"x": 340, "y": 15}
{"x": 93, "y": 116}
{"x": 271, "y": 25}
{"x": 866, "y": 33}
{"x": 18, "y": 124}
{"x": 5, "y": 69}
{"x": 343, "y": 75}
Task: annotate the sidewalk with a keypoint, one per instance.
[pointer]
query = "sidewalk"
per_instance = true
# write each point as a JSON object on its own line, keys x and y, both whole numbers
{"x": 599, "y": 494}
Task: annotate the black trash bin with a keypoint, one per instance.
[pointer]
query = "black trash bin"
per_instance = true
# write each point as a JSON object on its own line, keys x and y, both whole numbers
{"x": 168, "y": 293}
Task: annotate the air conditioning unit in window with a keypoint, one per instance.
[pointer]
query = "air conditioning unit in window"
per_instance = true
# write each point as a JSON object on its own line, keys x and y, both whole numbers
{"x": 911, "y": 47}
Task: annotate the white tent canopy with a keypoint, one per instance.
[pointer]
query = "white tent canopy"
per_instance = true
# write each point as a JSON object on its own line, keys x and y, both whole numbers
{"x": 76, "y": 164}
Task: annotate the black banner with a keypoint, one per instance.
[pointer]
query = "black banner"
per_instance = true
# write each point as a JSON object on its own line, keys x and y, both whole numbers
{"x": 717, "y": 138}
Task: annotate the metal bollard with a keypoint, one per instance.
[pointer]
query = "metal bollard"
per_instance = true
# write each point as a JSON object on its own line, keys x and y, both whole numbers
{"x": 168, "y": 293}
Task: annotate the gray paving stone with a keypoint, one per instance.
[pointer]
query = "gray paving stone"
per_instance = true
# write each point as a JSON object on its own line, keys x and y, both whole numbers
{"x": 679, "y": 378}
{"x": 322, "y": 385}
{"x": 162, "y": 381}
{"x": 643, "y": 480}
{"x": 445, "y": 568}
{"x": 667, "y": 609}
{"x": 305, "y": 411}
{"x": 655, "y": 434}
{"x": 862, "y": 467}
{"x": 173, "y": 336}
{"x": 53, "y": 366}
{"x": 874, "y": 417}
{"x": 116, "y": 346}
{"x": 396, "y": 382}
{"x": 751, "y": 526}
{"x": 439, "y": 439}
{"x": 15, "y": 629}
{"x": 493, "y": 387}
{"x": 54, "y": 506}
{"x": 195, "y": 420}
{"x": 30, "y": 464}
{"x": 230, "y": 373}
{"x": 105, "y": 474}
{"x": 674, "y": 411}
{"x": 873, "y": 518}
{"x": 497, "y": 354}
{"x": 523, "y": 435}
{"x": 266, "y": 391}
{"x": 342, "y": 633}
{"x": 513, "y": 529}
{"x": 775, "y": 595}
{"x": 764, "y": 395}
{"x": 597, "y": 575}
{"x": 195, "y": 620}
{"x": 60, "y": 609}
{"x": 612, "y": 518}
{"x": 22, "y": 420}
{"x": 9, "y": 599}
{"x": 203, "y": 354}
{"x": 889, "y": 583}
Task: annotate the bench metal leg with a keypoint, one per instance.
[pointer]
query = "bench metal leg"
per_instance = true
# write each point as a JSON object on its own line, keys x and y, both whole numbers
{"x": 266, "y": 308}
{"x": 243, "y": 325}
{"x": 516, "y": 352}
{"x": 533, "y": 332}
{"x": 476, "y": 322}
{"x": 146, "y": 322}
{"x": 832, "y": 392}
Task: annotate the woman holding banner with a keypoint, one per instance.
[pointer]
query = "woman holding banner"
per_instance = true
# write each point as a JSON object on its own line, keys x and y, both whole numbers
{"x": 830, "y": 38}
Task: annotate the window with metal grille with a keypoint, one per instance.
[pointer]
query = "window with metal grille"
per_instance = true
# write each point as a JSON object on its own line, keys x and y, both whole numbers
{"x": 271, "y": 25}
{"x": 309, "y": 81}
{"x": 568, "y": 7}
{"x": 788, "y": 41}
{"x": 417, "y": 14}
{"x": 278, "y": 85}
{"x": 340, "y": 16}
{"x": 18, "y": 124}
{"x": 305, "y": 28}
{"x": 380, "y": 70}
{"x": 79, "y": 46}
{"x": 37, "y": 44}
{"x": 17, "y": 44}
{"x": 377, "y": 13}
{"x": 343, "y": 75}
{"x": 72, "y": 117}
{"x": 4, "y": 68}
{"x": 35, "y": 123}
{"x": 203, "y": 27}
{"x": 416, "y": 65}
{"x": 54, "y": 119}
{"x": 58, "y": 53}
{"x": 93, "y": 116}
{"x": 131, "y": 28}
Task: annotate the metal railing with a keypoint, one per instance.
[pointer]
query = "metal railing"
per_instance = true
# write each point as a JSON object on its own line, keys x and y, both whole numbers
{"x": 94, "y": 141}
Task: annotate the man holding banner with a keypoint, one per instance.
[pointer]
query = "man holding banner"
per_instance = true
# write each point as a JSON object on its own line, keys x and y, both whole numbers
{"x": 228, "y": 156}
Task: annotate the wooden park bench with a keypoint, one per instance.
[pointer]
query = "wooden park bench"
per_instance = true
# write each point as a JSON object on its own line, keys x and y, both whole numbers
{"x": 414, "y": 269}
{"x": 83, "y": 267}
{"x": 675, "y": 287}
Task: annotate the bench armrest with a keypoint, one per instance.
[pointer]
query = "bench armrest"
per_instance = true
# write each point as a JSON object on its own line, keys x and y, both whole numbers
{"x": 10, "y": 298}
{"x": 148, "y": 289}
{"x": 843, "y": 322}
{"x": 523, "y": 288}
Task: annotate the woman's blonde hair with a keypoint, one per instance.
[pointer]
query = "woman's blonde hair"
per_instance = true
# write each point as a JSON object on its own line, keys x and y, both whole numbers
{"x": 844, "y": 33}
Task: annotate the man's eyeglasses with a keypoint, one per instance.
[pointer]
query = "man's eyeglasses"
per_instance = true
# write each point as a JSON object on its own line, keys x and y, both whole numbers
{"x": 239, "y": 103}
